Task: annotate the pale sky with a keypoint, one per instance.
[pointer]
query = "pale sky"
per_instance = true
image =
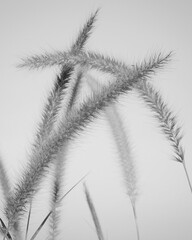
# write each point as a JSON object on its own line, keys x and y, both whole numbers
{"x": 131, "y": 31}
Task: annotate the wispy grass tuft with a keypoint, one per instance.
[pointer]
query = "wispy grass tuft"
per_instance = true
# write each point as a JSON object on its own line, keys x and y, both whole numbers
{"x": 53, "y": 104}
{"x": 84, "y": 34}
{"x": 76, "y": 121}
{"x": 96, "y": 61}
{"x": 167, "y": 121}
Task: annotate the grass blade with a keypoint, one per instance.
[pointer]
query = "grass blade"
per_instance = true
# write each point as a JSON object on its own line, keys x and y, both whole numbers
{"x": 48, "y": 215}
{"x": 93, "y": 213}
{"x": 40, "y": 227}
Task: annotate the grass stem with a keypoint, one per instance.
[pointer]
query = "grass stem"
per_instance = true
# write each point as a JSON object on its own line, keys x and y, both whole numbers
{"x": 136, "y": 221}
{"x": 187, "y": 175}
{"x": 28, "y": 220}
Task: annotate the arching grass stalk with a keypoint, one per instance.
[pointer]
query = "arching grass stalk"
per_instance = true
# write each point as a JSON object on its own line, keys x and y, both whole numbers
{"x": 167, "y": 121}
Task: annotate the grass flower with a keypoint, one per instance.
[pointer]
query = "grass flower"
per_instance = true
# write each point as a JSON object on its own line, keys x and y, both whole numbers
{"x": 167, "y": 121}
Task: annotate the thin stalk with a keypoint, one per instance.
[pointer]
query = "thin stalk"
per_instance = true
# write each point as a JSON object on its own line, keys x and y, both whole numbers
{"x": 187, "y": 176}
{"x": 136, "y": 221}
{"x": 167, "y": 121}
{"x": 28, "y": 220}
{"x": 41, "y": 225}
{"x": 93, "y": 214}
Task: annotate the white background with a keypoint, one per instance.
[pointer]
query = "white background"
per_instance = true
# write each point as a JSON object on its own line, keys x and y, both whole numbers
{"x": 130, "y": 31}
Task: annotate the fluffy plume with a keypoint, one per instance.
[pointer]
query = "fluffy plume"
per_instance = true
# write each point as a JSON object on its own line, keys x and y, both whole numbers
{"x": 124, "y": 151}
{"x": 53, "y": 104}
{"x": 167, "y": 121}
{"x": 166, "y": 118}
{"x": 121, "y": 141}
{"x": 84, "y": 34}
{"x": 95, "y": 61}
